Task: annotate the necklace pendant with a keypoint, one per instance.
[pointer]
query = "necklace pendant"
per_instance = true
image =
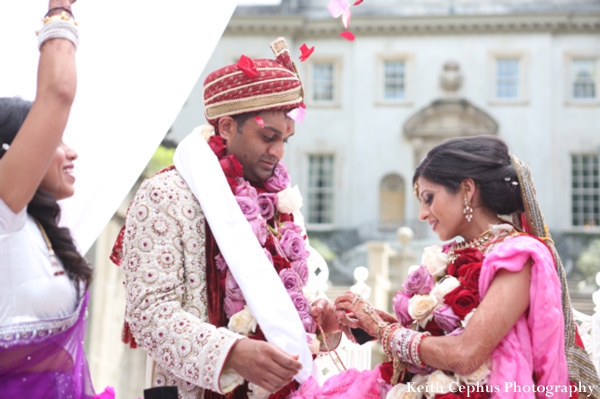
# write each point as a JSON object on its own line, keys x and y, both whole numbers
{"x": 56, "y": 267}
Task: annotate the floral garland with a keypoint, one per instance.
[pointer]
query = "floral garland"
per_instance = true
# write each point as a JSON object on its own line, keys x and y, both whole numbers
{"x": 269, "y": 209}
{"x": 440, "y": 297}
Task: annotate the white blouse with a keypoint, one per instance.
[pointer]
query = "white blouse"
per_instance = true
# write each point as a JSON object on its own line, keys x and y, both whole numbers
{"x": 29, "y": 291}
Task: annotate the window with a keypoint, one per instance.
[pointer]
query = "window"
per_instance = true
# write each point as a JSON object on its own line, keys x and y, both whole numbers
{"x": 320, "y": 189}
{"x": 507, "y": 78}
{"x": 585, "y": 190}
{"x": 584, "y": 78}
{"x": 394, "y": 75}
{"x": 323, "y": 82}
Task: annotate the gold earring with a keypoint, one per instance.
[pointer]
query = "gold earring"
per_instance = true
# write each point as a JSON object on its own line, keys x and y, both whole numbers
{"x": 416, "y": 190}
{"x": 467, "y": 211}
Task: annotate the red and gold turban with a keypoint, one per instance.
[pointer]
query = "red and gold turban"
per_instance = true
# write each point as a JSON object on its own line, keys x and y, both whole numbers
{"x": 254, "y": 85}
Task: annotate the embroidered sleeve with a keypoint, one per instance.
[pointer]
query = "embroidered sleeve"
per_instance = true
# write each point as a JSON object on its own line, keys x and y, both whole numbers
{"x": 163, "y": 263}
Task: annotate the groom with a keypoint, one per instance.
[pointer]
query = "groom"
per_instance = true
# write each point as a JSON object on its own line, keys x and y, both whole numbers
{"x": 188, "y": 301}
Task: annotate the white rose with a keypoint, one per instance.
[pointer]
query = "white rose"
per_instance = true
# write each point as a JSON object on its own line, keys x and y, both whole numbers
{"x": 435, "y": 260}
{"x": 401, "y": 391}
{"x": 314, "y": 345}
{"x": 242, "y": 322}
{"x": 289, "y": 200}
{"x": 479, "y": 376}
{"x": 468, "y": 317}
{"x": 440, "y": 290}
{"x": 206, "y": 131}
{"x": 419, "y": 384}
{"x": 421, "y": 306}
{"x": 440, "y": 383}
{"x": 257, "y": 392}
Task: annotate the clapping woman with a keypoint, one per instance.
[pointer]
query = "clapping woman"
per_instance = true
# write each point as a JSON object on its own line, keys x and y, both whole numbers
{"x": 43, "y": 288}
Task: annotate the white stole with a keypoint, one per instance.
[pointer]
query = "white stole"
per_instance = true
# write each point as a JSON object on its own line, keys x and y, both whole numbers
{"x": 263, "y": 290}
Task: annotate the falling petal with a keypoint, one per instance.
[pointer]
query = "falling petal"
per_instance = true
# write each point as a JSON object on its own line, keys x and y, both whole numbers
{"x": 357, "y": 2}
{"x": 108, "y": 393}
{"x": 246, "y": 65}
{"x": 337, "y": 7}
{"x": 347, "y": 35}
{"x": 346, "y": 15}
{"x": 259, "y": 120}
{"x": 297, "y": 114}
{"x": 306, "y": 52}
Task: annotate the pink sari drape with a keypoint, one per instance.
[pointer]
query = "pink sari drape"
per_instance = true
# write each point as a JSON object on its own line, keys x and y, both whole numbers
{"x": 533, "y": 350}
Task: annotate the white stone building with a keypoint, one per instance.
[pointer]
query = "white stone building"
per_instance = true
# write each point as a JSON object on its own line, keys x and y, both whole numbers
{"x": 417, "y": 73}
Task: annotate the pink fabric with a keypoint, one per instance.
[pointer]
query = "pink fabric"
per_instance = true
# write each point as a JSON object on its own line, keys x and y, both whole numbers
{"x": 536, "y": 341}
{"x": 350, "y": 384}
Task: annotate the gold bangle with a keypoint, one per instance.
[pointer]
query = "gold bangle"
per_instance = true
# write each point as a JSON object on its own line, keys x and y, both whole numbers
{"x": 62, "y": 17}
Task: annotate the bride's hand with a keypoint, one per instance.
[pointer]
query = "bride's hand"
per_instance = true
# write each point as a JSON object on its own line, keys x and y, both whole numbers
{"x": 356, "y": 312}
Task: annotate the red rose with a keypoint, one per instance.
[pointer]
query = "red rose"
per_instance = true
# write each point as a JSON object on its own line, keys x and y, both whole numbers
{"x": 465, "y": 255}
{"x": 469, "y": 275}
{"x": 231, "y": 166}
{"x": 462, "y": 300}
{"x": 286, "y": 217}
{"x": 286, "y": 391}
{"x": 449, "y": 395}
{"x": 280, "y": 263}
{"x": 474, "y": 395}
{"x": 247, "y": 66}
{"x": 433, "y": 328}
{"x": 387, "y": 370}
{"x": 217, "y": 145}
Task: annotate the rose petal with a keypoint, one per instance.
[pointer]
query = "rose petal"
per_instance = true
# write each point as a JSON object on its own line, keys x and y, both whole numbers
{"x": 337, "y": 7}
{"x": 246, "y": 65}
{"x": 306, "y": 52}
{"x": 347, "y": 35}
{"x": 357, "y": 2}
{"x": 259, "y": 120}
{"x": 347, "y": 14}
{"x": 297, "y": 114}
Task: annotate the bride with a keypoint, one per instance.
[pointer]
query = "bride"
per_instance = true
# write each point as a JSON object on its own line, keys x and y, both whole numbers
{"x": 488, "y": 316}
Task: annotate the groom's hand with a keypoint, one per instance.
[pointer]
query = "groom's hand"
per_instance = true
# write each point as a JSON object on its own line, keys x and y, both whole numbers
{"x": 323, "y": 312}
{"x": 263, "y": 364}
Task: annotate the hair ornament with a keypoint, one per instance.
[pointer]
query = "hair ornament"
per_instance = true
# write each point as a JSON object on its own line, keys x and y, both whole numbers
{"x": 507, "y": 179}
{"x": 5, "y": 146}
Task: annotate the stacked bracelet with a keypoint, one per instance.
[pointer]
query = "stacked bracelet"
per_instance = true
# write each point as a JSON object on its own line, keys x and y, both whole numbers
{"x": 58, "y": 27}
{"x": 406, "y": 345}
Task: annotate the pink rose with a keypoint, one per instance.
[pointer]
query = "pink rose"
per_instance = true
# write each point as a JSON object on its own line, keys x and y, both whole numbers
{"x": 291, "y": 280}
{"x": 279, "y": 180}
{"x": 293, "y": 246}
{"x": 445, "y": 318}
{"x": 220, "y": 263}
{"x": 245, "y": 190}
{"x": 232, "y": 307}
{"x": 419, "y": 282}
{"x": 232, "y": 289}
{"x": 400, "y": 304}
{"x": 301, "y": 304}
{"x": 269, "y": 256}
{"x": 259, "y": 228}
{"x": 249, "y": 208}
{"x": 266, "y": 205}
{"x": 301, "y": 268}
{"x": 283, "y": 227}
{"x": 310, "y": 326}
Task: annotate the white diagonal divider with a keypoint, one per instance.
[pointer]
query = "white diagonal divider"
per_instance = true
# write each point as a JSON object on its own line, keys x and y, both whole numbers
{"x": 137, "y": 62}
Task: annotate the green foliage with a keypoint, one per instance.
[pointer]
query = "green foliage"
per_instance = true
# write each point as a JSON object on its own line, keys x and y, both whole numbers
{"x": 589, "y": 261}
{"x": 322, "y": 248}
{"x": 162, "y": 158}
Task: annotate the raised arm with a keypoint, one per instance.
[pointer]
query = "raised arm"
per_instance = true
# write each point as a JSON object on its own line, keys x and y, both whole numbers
{"x": 26, "y": 162}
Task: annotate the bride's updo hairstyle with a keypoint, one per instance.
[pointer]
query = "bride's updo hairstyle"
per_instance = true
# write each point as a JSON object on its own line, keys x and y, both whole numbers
{"x": 484, "y": 159}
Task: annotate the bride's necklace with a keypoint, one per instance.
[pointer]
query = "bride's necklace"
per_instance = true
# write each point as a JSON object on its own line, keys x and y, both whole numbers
{"x": 480, "y": 243}
{"x": 56, "y": 268}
